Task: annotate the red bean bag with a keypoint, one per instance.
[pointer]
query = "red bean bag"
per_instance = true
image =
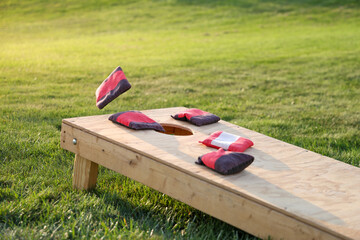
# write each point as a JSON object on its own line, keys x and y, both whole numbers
{"x": 227, "y": 141}
{"x": 135, "y": 120}
{"x": 226, "y": 162}
{"x": 196, "y": 117}
{"x": 114, "y": 85}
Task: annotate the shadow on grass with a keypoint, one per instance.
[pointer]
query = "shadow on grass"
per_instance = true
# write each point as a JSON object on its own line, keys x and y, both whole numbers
{"x": 165, "y": 219}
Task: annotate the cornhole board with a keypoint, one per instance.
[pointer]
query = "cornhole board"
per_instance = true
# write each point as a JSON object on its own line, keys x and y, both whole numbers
{"x": 287, "y": 193}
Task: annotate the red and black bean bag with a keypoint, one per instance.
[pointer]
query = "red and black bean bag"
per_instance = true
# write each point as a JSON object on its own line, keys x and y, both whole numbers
{"x": 196, "y": 117}
{"x": 114, "y": 85}
{"x": 135, "y": 120}
{"x": 226, "y": 162}
{"x": 227, "y": 141}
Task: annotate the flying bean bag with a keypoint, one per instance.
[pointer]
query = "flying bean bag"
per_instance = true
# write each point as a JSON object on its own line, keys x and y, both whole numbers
{"x": 114, "y": 85}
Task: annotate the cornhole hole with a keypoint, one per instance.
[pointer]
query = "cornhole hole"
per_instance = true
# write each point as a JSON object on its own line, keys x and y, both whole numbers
{"x": 286, "y": 193}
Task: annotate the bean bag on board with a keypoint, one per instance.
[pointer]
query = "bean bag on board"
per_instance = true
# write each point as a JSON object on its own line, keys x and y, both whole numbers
{"x": 227, "y": 141}
{"x": 226, "y": 162}
{"x": 196, "y": 117}
{"x": 135, "y": 120}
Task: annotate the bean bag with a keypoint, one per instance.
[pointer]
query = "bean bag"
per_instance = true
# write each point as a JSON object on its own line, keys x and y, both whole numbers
{"x": 227, "y": 141}
{"x": 114, "y": 85}
{"x": 196, "y": 117}
{"x": 226, "y": 162}
{"x": 135, "y": 120}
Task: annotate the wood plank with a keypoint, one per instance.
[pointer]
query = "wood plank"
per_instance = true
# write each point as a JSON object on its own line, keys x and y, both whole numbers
{"x": 224, "y": 205}
{"x": 85, "y": 173}
{"x": 319, "y": 193}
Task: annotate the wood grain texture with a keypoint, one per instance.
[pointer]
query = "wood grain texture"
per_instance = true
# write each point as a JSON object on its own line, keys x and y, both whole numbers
{"x": 288, "y": 192}
{"x": 85, "y": 173}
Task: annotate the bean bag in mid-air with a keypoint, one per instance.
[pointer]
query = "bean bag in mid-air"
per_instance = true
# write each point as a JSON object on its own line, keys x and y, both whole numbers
{"x": 114, "y": 85}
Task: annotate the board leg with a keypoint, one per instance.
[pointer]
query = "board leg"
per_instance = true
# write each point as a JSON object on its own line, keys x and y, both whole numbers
{"x": 85, "y": 173}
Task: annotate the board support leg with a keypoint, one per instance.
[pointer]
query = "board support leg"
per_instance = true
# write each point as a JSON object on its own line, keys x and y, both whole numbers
{"x": 85, "y": 173}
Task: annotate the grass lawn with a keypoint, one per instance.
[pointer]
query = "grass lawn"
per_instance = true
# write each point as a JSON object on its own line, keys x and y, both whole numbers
{"x": 287, "y": 69}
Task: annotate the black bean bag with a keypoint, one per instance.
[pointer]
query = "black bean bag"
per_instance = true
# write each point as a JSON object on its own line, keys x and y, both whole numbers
{"x": 226, "y": 162}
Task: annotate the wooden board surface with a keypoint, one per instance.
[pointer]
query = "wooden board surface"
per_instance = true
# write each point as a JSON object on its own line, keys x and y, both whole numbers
{"x": 313, "y": 190}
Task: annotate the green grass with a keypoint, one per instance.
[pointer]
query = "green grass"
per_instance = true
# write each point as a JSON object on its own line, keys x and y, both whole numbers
{"x": 287, "y": 69}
